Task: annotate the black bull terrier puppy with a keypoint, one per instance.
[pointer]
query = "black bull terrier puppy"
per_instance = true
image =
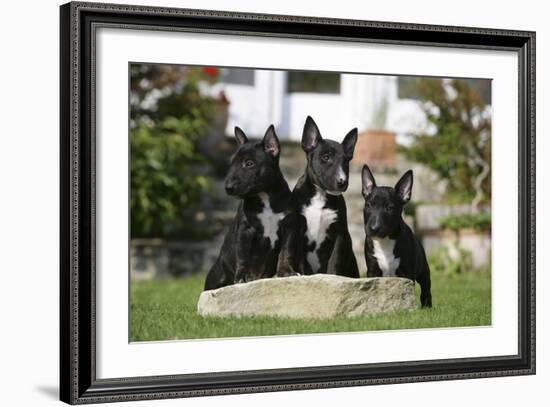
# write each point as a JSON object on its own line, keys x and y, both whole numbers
{"x": 391, "y": 248}
{"x": 316, "y": 236}
{"x": 252, "y": 243}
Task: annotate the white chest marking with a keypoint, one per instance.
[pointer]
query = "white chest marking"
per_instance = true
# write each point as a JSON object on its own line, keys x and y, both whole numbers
{"x": 318, "y": 221}
{"x": 383, "y": 251}
{"x": 269, "y": 220}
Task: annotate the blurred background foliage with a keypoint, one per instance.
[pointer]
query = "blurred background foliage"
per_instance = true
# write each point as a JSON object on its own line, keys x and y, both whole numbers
{"x": 169, "y": 114}
{"x": 460, "y": 150}
{"x": 477, "y": 221}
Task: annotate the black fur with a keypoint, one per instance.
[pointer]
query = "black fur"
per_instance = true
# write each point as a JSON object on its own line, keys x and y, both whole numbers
{"x": 383, "y": 219}
{"x": 326, "y": 176}
{"x": 246, "y": 254}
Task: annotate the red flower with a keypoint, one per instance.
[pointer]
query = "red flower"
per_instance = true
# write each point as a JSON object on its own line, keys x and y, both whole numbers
{"x": 210, "y": 71}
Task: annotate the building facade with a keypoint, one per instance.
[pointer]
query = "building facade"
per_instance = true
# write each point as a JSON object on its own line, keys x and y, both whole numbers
{"x": 337, "y": 102}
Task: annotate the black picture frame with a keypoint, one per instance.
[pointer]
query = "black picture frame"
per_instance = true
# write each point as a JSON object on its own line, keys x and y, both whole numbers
{"x": 78, "y": 382}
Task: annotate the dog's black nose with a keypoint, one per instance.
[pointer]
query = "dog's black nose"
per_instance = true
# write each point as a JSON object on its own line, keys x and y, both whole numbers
{"x": 374, "y": 229}
{"x": 229, "y": 188}
{"x": 342, "y": 183}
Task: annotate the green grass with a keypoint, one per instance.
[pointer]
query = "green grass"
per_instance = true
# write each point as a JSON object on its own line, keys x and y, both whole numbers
{"x": 167, "y": 309}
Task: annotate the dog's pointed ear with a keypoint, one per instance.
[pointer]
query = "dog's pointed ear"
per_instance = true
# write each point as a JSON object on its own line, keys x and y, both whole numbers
{"x": 404, "y": 186}
{"x": 240, "y": 136}
{"x": 349, "y": 143}
{"x": 311, "y": 135}
{"x": 271, "y": 142}
{"x": 367, "y": 180}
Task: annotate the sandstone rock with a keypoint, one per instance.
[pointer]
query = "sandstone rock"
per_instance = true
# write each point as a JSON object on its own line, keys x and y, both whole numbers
{"x": 315, "y": 296}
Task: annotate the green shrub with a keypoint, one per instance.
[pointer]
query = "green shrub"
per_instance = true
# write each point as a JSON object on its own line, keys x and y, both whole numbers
{"x": 163, "y": 183}
{"x": 442, "y": 262}
{"x": 460, "y": 150}
{"x": 168, "y": 117}
{"x": 477, "y": 221}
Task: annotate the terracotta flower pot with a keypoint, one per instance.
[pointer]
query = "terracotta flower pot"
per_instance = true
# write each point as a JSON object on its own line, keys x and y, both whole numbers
{"x": 376, "y": 148}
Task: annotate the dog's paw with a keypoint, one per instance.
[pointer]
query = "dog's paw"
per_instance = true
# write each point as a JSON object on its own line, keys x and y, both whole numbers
{"x": 289, "y": 274}
{"x": 294, "y": 274}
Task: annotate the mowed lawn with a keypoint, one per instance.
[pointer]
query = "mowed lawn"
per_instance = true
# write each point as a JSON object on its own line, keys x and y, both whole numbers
{"x": 167, "y": 309}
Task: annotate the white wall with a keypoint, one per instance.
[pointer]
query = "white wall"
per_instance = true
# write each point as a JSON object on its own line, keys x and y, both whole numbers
{"x": 253, "y": 108}
{"x": 29, "y": 206}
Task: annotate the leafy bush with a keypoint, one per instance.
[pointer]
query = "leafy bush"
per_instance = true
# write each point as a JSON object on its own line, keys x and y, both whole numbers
{"x": 168, "y": 117}
{"x": 162, "y": 179}
{"x": 443, "y": 263}
{"x": 477, "y": 221}
{"x": 460, "y": 150}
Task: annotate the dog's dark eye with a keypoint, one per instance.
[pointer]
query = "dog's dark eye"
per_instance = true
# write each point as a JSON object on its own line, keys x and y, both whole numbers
{"x": 249, "y": 163}
{"x": 368, "y": 205}
{"x": 325, "y": 157}
{"x": 389, "y": 208}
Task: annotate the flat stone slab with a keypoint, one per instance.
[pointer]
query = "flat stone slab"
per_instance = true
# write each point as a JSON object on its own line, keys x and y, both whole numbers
{"x": 318, "y": 296}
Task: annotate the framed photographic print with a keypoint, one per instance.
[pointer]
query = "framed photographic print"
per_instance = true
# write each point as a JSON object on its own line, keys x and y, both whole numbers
{"x": 255, "y": 203}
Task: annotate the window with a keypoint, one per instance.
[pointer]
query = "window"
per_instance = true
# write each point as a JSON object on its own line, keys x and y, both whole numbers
{"x": 313, "y": 82}
{"x": 408, "y": 87}
{"x": 237, "y": 76}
